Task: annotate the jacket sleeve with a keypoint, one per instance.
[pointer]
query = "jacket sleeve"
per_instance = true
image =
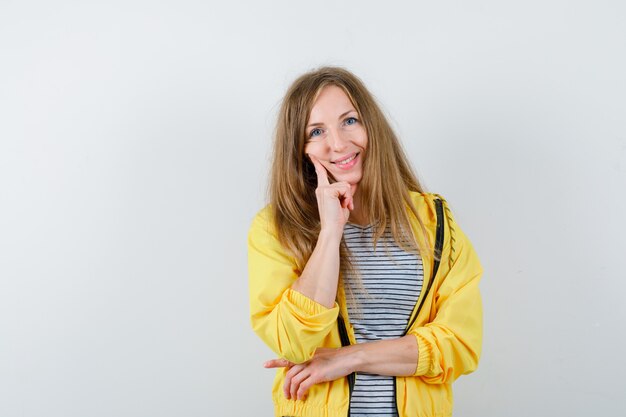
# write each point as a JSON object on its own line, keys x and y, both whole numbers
{"x": 291, "y": 324}
{"x": 450, "y": 344}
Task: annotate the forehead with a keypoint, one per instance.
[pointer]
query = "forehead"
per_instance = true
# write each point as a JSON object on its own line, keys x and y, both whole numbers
{"x": 332, "y": 101}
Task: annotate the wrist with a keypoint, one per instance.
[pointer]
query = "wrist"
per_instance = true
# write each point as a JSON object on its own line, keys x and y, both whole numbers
{"x": 330, "y": 236}
{"x": 355, "y": 357}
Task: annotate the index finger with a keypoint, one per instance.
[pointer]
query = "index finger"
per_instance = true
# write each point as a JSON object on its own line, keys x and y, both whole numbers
{"x": 277, "y": 363}
{"x": 322, "y": 175}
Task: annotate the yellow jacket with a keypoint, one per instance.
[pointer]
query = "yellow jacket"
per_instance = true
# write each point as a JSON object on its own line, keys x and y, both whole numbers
{"x": 448, "y": 328}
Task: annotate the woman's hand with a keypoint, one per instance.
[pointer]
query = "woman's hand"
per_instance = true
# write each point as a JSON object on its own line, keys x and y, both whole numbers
{"x": 334, "y": 201}
{"x": 326, "y": 365}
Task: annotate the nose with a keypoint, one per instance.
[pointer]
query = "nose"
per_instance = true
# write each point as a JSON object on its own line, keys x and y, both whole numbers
{"x": 337, "y": 142}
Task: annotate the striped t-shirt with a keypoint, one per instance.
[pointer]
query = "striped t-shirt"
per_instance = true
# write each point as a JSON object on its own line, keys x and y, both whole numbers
{"x": 379, "y": 308}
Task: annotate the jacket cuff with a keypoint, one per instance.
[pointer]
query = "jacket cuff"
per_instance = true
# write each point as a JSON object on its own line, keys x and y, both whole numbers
{"x": 305, "y": 307}
{"x": 424, "y": 356}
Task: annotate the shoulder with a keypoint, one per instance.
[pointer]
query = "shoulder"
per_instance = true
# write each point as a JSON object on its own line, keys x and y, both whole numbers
{"x": 264, "y": 247}
{"x": 264, "y": 215}
{"x": 263, "y": 222}
{"x": 426, "y": 206}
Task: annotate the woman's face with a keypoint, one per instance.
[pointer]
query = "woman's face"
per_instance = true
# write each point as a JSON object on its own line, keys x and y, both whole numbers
{"x": 336, "y": 136}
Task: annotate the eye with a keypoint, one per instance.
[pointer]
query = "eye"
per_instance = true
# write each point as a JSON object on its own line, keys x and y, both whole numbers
{"x": 350, "y": 121}
{"x": 315, "y": 132}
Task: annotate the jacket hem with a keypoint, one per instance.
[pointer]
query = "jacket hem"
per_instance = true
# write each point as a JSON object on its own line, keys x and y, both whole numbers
{"x": 302, "y": 410}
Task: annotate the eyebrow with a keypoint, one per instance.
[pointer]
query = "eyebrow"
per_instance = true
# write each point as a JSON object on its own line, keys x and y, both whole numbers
{"x": 340, "y": 117}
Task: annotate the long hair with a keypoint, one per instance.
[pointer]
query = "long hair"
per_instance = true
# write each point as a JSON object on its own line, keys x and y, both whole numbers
{"x": 387, "y": 174}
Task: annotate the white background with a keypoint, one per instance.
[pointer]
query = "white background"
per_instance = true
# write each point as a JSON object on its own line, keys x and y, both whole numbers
{"x": 134, "y": 146}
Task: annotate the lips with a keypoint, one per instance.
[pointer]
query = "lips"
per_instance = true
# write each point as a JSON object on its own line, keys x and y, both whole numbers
{"x": 345, "y": 160}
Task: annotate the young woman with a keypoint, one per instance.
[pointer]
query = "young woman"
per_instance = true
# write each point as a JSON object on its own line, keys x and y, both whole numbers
{"x": 361, "y": 282}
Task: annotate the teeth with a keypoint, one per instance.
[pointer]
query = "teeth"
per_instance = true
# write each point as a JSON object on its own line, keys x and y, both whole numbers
{"x": 345, "y": 161}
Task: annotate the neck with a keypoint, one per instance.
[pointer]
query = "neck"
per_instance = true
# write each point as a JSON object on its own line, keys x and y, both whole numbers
{"x": 357, "y": 216}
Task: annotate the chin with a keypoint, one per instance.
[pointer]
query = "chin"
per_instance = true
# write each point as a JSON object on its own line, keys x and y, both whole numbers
{"x": 350, "y": 179}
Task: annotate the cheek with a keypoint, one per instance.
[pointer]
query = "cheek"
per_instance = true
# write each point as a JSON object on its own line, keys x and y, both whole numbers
{"x": 314, "y": 149}
{"x": 359, "y": 137}
{"x": 364, "y": 139}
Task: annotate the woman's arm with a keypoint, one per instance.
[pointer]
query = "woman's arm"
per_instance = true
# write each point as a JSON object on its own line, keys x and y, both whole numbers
{"x": 293, "y": 311}
{"x": 290, "y": 323}
{"x": 393, "y": 357}
{"x": 450, "y": 344}
{"x": 320, "y": 276}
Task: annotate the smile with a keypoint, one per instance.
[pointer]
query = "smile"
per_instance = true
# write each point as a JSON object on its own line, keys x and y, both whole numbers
{"x": 348, "y": 162}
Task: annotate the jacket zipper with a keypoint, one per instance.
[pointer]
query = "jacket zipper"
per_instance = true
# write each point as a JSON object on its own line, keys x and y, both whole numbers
{"x": 438, "y": 250}
{"x": 345, "y": 341}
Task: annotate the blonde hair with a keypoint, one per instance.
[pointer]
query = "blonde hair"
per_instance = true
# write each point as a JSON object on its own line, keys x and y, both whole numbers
{"x": 387, "y": 174}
